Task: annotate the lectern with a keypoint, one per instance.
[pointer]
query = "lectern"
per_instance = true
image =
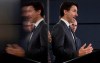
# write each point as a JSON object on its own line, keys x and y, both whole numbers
{"x": 7, "y": 58}
{"x": 93, "y": 57}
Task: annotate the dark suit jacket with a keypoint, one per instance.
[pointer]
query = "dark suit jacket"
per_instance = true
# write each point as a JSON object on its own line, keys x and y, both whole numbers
{"x": 64, "y": 47}
{"x": 78, "y": 44}
{"x": 37, "y": 48}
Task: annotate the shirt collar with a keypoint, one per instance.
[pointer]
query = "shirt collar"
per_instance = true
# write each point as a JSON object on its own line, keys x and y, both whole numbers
{"x": 66, "y": 22}
{"x": 37, "y": 23}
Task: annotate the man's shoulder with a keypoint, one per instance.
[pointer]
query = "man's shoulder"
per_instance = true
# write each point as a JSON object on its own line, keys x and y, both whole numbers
{"x": 58, "y": 25}
{"x": 43, "y": 23}
{"x": 77, "y": 38}
{"x": 58, "y": 28}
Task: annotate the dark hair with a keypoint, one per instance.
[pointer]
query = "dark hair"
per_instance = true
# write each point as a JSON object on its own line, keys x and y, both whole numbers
{"x": 37, "y": 6}
{"x": 66, "y": 6}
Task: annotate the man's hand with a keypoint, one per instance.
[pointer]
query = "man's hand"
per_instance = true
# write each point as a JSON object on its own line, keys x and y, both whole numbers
{"x": 15, "y": 49}
{"x": 85, "y": 50}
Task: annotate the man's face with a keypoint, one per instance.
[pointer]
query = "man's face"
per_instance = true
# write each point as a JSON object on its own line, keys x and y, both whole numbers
{"x": 29, "y": 13}
{"x": 28, "y": 26}
{"x": 72, "y": 13}
{"x": 73, "y": 25}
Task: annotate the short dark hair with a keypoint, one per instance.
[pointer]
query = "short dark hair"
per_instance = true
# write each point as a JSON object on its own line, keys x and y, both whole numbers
{"x": 36, "y": 4}
{"x": 66, "y": 6}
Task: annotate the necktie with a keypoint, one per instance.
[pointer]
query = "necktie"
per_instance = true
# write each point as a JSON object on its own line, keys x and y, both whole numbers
{"x": 74, "y": 36}
{"x": 30, "y": 37}
{"x": 71, "y": 32}
{"x": 32, "y": 30}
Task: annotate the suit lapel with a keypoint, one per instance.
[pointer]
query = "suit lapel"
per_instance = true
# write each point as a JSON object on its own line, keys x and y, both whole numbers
{"x": 75, "y": 40}
{"x": 67, "y": 32}
{"x": 35, "y": 34}
{"x": 65, "y": 27}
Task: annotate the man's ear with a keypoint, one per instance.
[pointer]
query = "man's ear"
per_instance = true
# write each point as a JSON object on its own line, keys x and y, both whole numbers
{"x": 39, "y": 11}
{"x": 65, "y": 11}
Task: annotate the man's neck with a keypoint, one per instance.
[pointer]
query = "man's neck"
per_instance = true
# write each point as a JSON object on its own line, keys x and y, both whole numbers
{"x": 37, "y": 19}
{"x": 65, "y": 21}
{"x": 65, "y": 18}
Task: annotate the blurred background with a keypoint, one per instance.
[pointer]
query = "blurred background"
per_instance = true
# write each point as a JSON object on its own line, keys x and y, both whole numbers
{"x": 88, "y": 20}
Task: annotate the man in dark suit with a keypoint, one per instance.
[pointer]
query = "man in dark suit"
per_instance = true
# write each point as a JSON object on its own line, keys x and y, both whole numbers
{"x": 63, "y": 40}
{"x": 85, "y": 51}
{"x": 73, "y": 26}
{"x": 35, "y": 47}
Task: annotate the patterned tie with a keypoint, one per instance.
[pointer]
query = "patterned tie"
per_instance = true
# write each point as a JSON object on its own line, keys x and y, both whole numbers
{"x": 74, "y": 36}
{"x": 32, "y": 30}
{"x": 30, "y": 36}
{"x": 71, "y": 32}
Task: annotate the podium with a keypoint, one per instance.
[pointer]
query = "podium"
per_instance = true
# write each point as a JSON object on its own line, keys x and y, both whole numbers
{"x": 93, "y": 57}
{"x": 7, "y": 58}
